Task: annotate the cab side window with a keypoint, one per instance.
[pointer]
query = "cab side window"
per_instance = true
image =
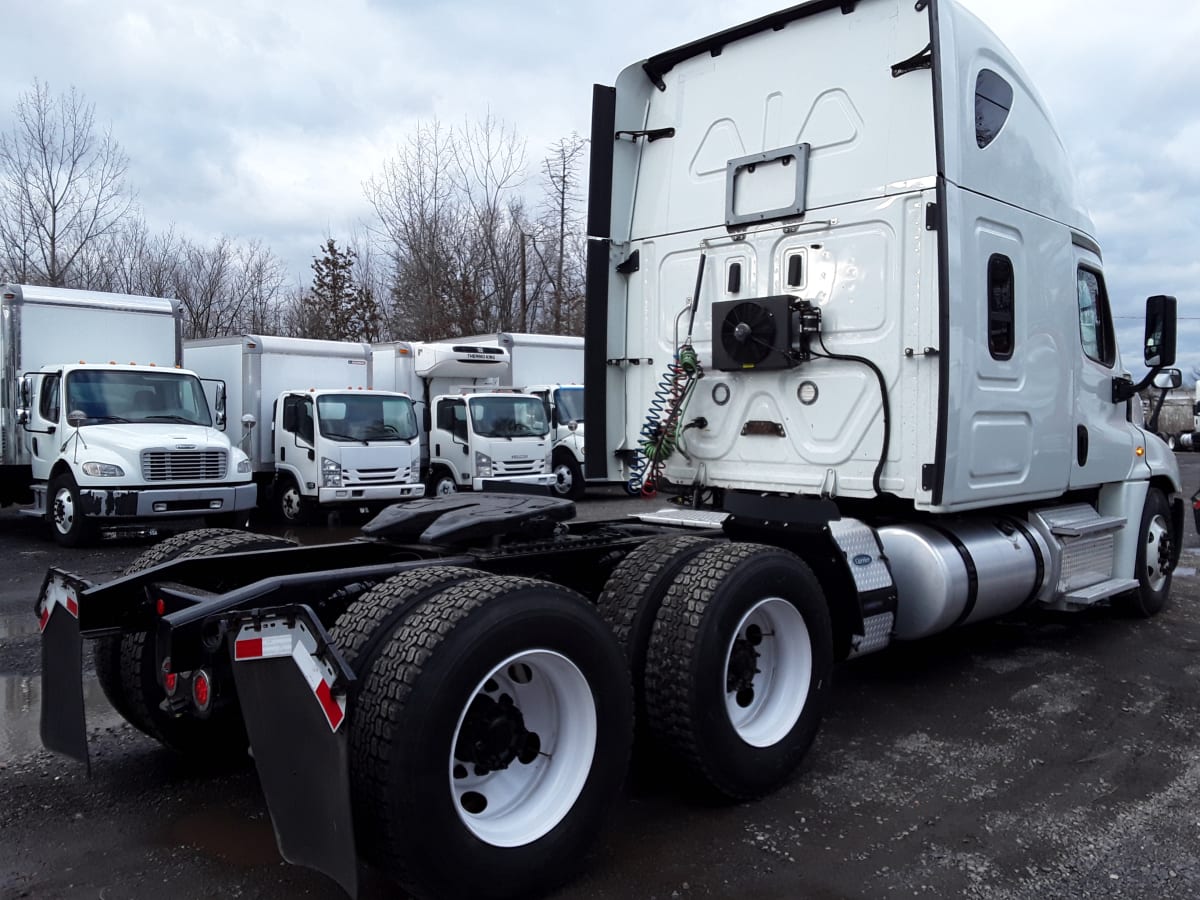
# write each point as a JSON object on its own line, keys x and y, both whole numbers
{"x": 1095, "y": 319}
{"x": 48, "y": 401}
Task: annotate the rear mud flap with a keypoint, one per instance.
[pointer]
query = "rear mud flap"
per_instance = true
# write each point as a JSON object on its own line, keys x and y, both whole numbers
{"x": 292, "y": 696}
{"x": 63, "y": 727}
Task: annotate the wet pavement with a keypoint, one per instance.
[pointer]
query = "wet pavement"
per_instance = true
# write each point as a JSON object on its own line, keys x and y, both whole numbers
{"x": 1053, "y": 757}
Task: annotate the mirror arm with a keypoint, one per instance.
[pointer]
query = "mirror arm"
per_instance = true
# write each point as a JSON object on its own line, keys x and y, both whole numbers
{"x": 1124, "y": 388}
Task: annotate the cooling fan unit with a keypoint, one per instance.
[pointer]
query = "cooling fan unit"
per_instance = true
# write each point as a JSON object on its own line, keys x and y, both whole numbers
{"x": 752, "y": 334}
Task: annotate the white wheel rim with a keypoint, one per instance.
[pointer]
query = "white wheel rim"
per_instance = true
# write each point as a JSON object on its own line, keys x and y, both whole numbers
{"x": 64, "y": 510}
{"x": 525, "y": 800}
{"x": 1157, "y": 548}
{"x": 562, "y": 478}
{"x": 445, "y": 487}
{"x": 764, "y": 707}
{"x": 291, "y": 503}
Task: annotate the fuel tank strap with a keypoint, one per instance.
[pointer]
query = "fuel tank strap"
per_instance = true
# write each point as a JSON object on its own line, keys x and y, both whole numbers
{"x": 969, "y": 565}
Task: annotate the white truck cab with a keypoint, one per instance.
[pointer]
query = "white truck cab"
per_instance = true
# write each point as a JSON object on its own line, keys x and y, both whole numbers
{"x": 564, "y": 407}
{"x": 113, "y": 443}
{"x": 344, "y": 448}
{"x": 491, "y": 436}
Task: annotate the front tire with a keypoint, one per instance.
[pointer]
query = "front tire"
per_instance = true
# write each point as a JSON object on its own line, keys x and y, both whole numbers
{"x": 1156, "y": 551}
{"x": 64, "y": 511}
{"x": 498, "y": 716}
{"x": 739, "y": 667}
{"x": 568, "y": 477}
{"x": 292, "y": 507}
{"x": 442, "y": 483}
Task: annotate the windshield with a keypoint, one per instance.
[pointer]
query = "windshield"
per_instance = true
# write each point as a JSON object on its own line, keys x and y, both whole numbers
{"x": 569, "y": 403}
{"x": 143, "y": 396}
{"x": 508, "y": 416}
{"x": 366, "y": 417}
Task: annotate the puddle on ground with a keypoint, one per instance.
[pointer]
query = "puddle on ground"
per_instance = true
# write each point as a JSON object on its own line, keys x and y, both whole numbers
{"x": 18, "y": 625}
{"x": 20, "y": 713}
{"x": 227, "y": 836}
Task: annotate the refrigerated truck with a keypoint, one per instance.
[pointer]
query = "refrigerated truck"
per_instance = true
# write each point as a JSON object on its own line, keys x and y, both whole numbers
{"x": 99, "y": 424}
{"x": 318, "y": 437}
{"x": 475, "y": 433}
{"x": 550, "y": 367}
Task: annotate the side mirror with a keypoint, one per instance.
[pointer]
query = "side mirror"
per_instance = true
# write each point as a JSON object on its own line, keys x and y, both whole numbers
{"x": 1159, "y": 346}
{"x": 1168, "y": 379}
{"x": 23, "y": 415}
{"x": 220, "y": 405}
{"x": 572, "y": 425}
{"x": 248, "y": 421}
{"x": 76, "y": 418}
{"x": 26, "y": 392}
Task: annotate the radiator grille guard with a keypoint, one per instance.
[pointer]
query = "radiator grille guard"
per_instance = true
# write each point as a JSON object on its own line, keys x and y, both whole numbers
{"x": 184, "y": 465}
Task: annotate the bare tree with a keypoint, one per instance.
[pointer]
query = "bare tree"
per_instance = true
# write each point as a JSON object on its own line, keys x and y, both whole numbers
{"x": 561, "y": 251}
{"x": 62, "y": 186}
{"x": 229, "y": 289}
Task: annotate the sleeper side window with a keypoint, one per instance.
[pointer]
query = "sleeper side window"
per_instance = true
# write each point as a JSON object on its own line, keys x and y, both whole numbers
{"x": 993, "y": 100}
{"x": 1001, "y": 321}
{"x": 1095, "y": 319}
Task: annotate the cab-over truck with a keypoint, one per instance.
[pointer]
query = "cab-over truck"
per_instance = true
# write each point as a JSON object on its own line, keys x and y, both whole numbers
{"x": 840, "y": 274}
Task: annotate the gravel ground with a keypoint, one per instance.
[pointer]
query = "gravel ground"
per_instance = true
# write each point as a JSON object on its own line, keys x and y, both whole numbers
{"x": 1051, "y": 757}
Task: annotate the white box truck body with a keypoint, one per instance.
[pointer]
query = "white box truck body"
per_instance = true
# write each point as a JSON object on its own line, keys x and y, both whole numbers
{"x": 473, "y": 436}
{"x": 317, "y": 435}
{"x": 147, "y": 445}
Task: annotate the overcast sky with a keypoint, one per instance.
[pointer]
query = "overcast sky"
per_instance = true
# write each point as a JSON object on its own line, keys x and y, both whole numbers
{"x": 261, "y": 119}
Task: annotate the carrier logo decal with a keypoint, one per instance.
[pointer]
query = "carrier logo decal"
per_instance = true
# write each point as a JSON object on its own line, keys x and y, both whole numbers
{"x": 863, "y": 559}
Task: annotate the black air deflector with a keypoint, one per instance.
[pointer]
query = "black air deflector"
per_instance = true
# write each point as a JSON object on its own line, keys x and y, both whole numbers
{"x": 658, "y": 66}
{"x": 753, "y": 334}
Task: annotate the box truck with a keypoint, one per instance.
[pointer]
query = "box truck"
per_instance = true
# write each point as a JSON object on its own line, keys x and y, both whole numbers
{"x": 100, "y": 425}
{"x": 318, "y": 437}
{"x": 474, "y": 434}
{"x": 550, "y": 367}
{"x": 839, "y": 272}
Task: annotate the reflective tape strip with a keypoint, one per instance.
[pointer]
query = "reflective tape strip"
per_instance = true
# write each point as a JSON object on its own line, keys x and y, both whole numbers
{"x": 56, "y": 595}
{"x": 263, "y": 647}
{"x": 333, "y": 707}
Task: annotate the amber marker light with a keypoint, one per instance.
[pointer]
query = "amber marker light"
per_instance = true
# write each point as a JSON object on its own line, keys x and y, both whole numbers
{"x": 1140, "y": 451}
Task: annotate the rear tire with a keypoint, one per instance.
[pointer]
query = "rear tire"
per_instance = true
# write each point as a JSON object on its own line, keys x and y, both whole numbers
{"x": 126, "y": 665}
{"x": 739, "y": 667}
{"x": 632, "y": 597}
{"x": 498, "y": 717}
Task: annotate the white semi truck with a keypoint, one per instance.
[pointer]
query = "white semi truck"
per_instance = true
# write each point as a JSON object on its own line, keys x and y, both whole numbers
{"x": 475, "y": 435}
{"x": 839, "y": 274}
{"x": 100, "y": 426}
{"x": 318, "y": 437}
{"x": 550, "y": 367}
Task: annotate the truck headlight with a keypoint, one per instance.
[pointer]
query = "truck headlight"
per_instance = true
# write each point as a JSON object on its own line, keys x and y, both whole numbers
{"x": 102, "y": 470}
{"x": 483, "y": 465}
{"x": 243, "y": 466}
{"x": 331, "y": 472}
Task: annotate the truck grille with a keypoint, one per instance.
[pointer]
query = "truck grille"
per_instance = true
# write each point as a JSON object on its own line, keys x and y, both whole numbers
{"x": 364, "y": 477}
{"x": 520, "y": 467}
{"x": 183, "y": 465}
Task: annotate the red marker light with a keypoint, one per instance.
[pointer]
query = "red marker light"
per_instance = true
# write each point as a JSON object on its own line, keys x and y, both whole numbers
{"x": 201, "y": 690}
{"x": 161, "y": 607}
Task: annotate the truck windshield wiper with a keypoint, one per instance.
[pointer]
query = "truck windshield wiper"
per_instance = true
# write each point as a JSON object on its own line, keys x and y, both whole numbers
{"x": 184, "y": 420}
{"x": 338, "y": 436}
{"x": 108, "y": 419}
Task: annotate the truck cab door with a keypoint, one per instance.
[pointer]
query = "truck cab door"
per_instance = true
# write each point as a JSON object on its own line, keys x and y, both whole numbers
{"x": 296, "y": 441}
{"x": 449, "y": 442}
{"x": 42, "y": 430}
{"x": 1103, "y": 437}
